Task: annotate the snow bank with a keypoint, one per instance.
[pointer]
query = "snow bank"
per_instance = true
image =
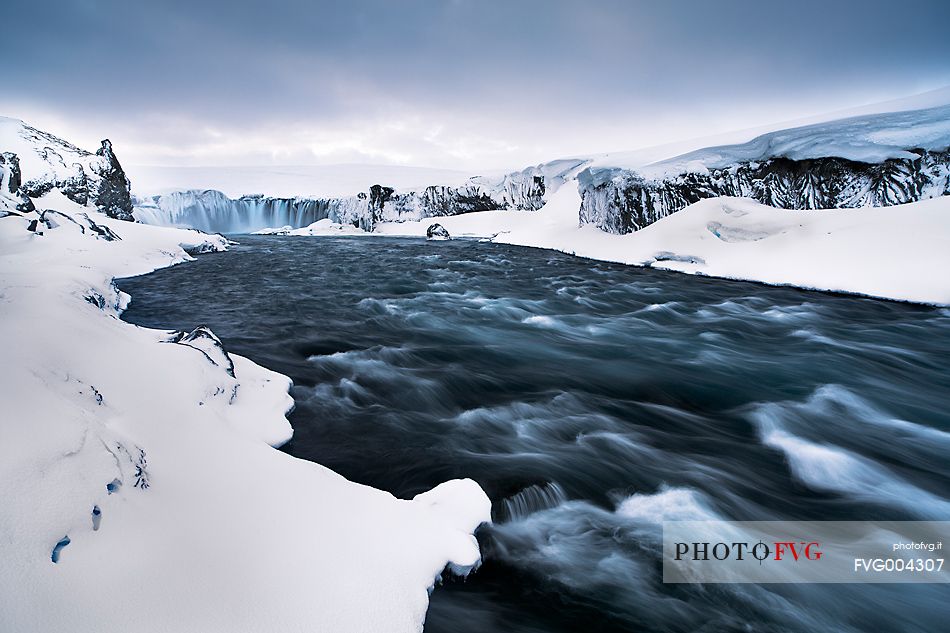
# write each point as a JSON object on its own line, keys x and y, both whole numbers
{"x": 141, "y": 459}
{"x": 900, "y": 252}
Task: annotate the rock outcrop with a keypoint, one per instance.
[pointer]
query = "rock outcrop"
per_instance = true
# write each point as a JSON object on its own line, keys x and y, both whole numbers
{"x": 11, "y": 197}
{"x": 873, "y": 160}
{"x": 621, "y": 201}
{"x": 38, "y": 162}
{"x": 437, "y": 232}
{"x": 111, "y": 191}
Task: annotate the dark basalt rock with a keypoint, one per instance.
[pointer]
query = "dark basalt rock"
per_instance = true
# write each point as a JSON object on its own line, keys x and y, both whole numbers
{"x": 378, "y": 196}
{"x": 112, "y": 194}
{"x": 10, "y": 163}
{"x": 76, "y": 187}
{"x": 98, "y": 180}
{"x": 101, "y": 231}
{"x": 204, "y": 340}
{"x": 37, "y": 187}
{"x": 12, "y": 177}
{"x": 437, "y": 232}
{"x": 621, "y": 201}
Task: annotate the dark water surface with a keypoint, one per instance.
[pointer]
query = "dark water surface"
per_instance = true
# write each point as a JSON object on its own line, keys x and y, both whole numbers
{"x": 592, "y": 401}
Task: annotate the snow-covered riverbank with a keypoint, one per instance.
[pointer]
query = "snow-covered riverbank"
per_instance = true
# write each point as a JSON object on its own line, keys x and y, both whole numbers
{"x": 900, "y": 252}
{"x": 139, "y": 485}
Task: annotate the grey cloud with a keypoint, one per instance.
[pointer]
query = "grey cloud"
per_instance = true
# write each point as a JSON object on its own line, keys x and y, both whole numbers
{"x": 516, "y": 70}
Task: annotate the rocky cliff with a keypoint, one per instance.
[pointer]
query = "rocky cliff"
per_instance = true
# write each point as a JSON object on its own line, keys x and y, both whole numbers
{"x": 621, "y": 201}
{"x": 38, "y": 162}
{"x": 865, "y": 161}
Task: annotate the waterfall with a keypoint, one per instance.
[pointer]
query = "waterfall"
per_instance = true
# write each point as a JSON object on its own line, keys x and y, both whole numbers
{"x": 214, "y": 212}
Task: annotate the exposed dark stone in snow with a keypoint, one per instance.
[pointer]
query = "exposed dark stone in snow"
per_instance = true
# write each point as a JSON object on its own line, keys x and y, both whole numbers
{"x": 38, "y": 187}
{"x": 622, "y": 201}
{"x": 11, "y": 194}
{"x": 63, "y": 542}
{"x": 141, "y": 470}
{"x": 437, "y": 232}
{"x": 112, "y": 193}
{"x": 100, "y": 230}
{"x": 378, "y": 197}
{"x": 12, "y": 176}
{"x": 96, "y": 299}
{"x": 96, "y": 518}
{"x": 204, "y": 340}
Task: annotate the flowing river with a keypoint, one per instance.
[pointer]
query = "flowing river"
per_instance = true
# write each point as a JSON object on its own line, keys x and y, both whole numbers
{"x": 592, "y": 401}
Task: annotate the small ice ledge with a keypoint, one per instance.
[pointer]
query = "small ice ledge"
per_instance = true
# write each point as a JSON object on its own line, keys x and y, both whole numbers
{"x": 458, "y": 507}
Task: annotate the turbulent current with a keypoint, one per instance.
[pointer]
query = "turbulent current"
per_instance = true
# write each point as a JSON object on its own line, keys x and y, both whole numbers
{"x": 592, "y": 401}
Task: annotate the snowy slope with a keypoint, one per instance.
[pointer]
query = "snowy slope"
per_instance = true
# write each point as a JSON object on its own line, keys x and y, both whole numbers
{"x": 47, "y": 162}
{"x": 140, "y": 491}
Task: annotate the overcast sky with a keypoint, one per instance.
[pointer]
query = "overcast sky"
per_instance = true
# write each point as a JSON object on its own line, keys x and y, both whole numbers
{"x": 448, "y": 83}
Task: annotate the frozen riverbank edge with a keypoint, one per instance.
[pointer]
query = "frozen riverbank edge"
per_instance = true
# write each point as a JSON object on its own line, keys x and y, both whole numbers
{"x": 899, "y": 253}
{"x": 142, "y": 462}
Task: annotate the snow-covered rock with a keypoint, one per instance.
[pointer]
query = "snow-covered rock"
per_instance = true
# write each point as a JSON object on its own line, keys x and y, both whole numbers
{"x": 437, "y": 232}
{"x": 47, "y": 162}
{"x": 138, "y": 480}
{"x": 867, "y": 161}
{"x": 11, "y": 198}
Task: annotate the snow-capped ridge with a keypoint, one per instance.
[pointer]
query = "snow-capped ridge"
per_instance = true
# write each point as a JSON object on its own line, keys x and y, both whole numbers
{"x": 870, "y": 138}
{"x": 47, "y": 162}
{"x": 866, "y": 161}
